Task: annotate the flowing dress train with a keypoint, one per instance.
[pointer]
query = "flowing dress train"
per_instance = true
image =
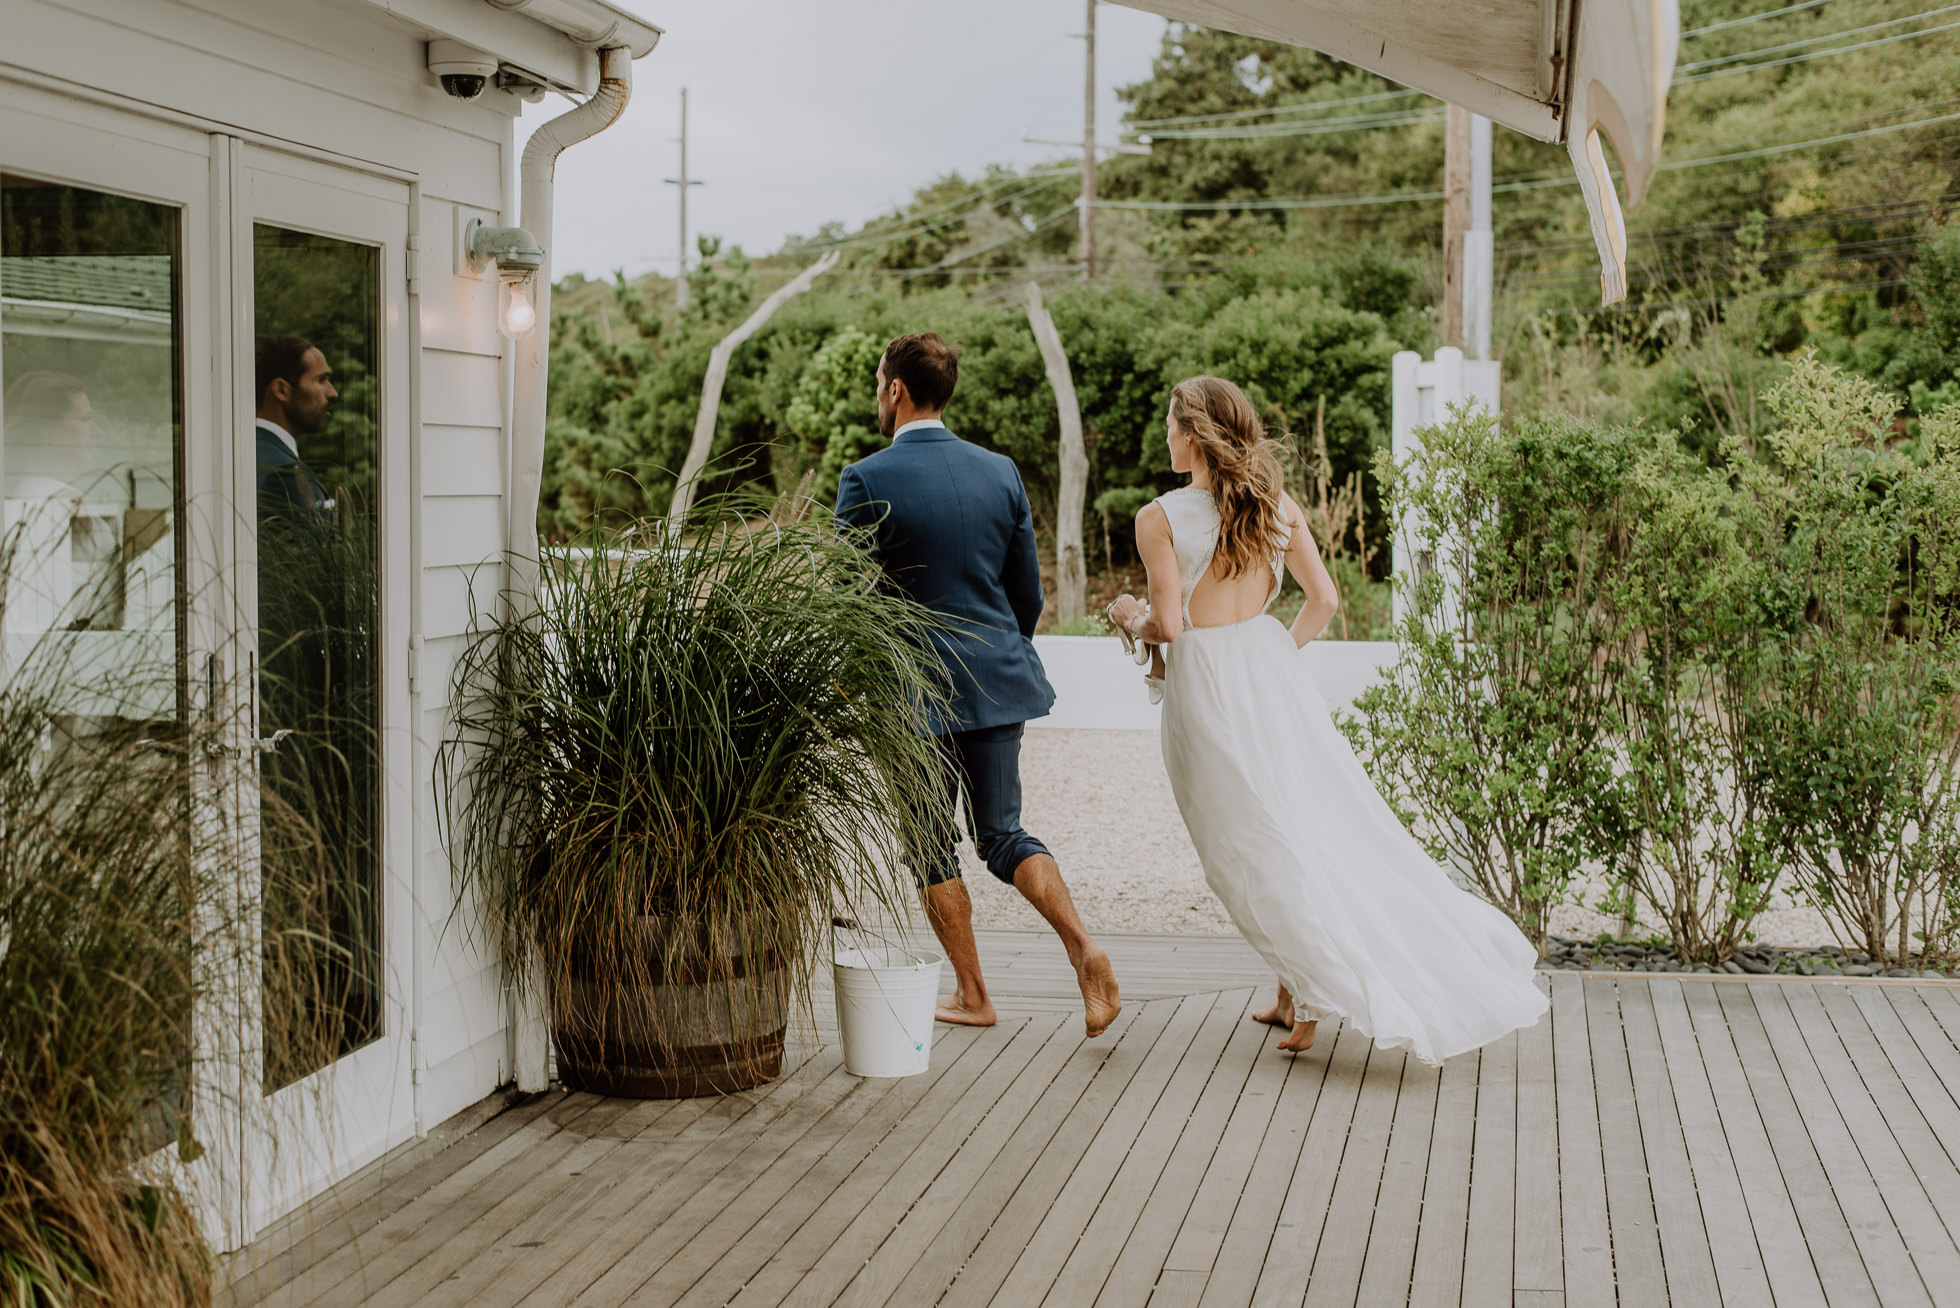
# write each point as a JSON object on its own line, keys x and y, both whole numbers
{"x": 1314, "y": 867}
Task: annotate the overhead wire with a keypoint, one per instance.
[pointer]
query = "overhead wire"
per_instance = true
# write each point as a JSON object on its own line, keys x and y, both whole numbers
{"x": 1752, "y": 18}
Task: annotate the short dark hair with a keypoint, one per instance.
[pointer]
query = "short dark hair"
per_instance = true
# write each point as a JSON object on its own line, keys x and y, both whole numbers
{"x": 927, "y": 365}
{"x": 278, "y": 358}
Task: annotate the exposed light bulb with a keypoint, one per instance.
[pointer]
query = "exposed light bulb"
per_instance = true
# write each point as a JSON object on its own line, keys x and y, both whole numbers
{"x": 518, "y": 316}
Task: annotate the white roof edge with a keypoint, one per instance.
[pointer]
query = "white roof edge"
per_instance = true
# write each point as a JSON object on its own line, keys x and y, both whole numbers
{"x": 594, "y": 24}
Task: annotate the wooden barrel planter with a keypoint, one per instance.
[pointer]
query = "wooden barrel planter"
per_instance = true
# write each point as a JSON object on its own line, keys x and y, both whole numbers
{"x": 690, "y": 1029}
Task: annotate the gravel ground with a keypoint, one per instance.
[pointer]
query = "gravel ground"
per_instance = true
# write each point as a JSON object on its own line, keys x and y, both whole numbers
{"x": 1101, "y": 802}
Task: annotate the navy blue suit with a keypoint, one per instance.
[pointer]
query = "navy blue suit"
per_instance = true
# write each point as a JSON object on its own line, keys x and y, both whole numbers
{"x": 954, "y": 532}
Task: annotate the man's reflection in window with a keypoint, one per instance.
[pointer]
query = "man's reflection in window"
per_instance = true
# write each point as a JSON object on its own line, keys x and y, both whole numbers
{"x": 294, "y": 390}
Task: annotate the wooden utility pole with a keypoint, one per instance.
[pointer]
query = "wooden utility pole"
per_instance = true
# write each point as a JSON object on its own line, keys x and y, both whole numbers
{"x": 1089, "y": 149}
{"x": 1456, "y": 218}
{"x": 683, "y": 182}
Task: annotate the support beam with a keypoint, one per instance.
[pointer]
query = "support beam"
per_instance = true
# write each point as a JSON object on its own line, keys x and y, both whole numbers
{"x": 1456, "y": 219}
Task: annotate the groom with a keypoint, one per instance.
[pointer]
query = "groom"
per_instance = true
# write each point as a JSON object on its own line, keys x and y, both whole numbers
{"x": 954, "y": 532}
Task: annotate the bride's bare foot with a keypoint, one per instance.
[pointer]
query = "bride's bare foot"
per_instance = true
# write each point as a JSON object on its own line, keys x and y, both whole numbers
{"x": 1280, "y": 1014}
{"x": 1301, "y": 1040}
{"x": 1100, "y": 999}
{"x": 957, "y": 1011}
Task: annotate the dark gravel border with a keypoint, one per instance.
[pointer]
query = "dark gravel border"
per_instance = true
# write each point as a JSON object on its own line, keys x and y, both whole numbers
{"x": 1564, "y": 954}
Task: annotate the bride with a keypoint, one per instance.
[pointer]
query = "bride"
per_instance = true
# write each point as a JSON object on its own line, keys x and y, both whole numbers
{"x": 1313, "y": 866}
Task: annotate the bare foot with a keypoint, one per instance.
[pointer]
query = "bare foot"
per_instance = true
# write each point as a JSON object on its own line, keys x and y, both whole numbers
{"x": 1280, "y": 1014}
{"x": 1100, "y": 1001}
{"x": 953, "y": 1009}
{"x": 1301, "y": 1040}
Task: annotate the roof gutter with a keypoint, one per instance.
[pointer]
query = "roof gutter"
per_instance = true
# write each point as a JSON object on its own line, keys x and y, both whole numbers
{"x": 531, "y": 1031}
{"x": 594, "y": 24}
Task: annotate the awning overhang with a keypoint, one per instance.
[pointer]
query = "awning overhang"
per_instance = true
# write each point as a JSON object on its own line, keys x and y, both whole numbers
{"x": 558, "y": 41}
{"x": 1524, "y": 63}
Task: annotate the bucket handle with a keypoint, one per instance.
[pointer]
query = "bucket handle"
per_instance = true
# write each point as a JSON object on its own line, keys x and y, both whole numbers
{"x": 838, "y": 922}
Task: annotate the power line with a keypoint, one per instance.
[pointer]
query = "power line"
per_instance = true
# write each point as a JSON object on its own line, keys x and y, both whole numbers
{"x": 1034, "y": 182}
{"x": 1814, "y": 54}
{"x": 1313, "y": 106}
{"x": 1753, "y": 18}
{"x": 1412, "y": 197}
{"x": 1326, "y": 127}
{"x": 1807, "y": 42}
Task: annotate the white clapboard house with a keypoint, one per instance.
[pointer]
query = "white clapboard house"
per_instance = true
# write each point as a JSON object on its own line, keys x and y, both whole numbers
{"x": 272, "y": 264}
{"x": 191, "y": 193}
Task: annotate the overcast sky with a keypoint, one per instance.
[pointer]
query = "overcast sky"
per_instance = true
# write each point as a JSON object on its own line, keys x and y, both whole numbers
{"x": 800, "y": 113}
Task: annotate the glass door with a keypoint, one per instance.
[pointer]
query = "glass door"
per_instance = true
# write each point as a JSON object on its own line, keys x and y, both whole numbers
{"x": 111, "y": 606}
{"x": 321, "y": 474}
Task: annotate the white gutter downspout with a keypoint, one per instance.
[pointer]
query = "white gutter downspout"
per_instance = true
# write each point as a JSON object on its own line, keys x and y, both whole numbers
{"x": 531, "y": 1030}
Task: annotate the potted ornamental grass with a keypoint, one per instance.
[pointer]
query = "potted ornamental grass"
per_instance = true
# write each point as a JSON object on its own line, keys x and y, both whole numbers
{"x": 671, "y": 768}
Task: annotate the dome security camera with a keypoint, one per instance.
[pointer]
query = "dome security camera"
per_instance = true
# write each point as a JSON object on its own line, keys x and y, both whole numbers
{"x": 462, "y": 69}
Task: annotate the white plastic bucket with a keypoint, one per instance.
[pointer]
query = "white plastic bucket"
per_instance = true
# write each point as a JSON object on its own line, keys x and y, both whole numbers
{"x": 885, "y": 1001}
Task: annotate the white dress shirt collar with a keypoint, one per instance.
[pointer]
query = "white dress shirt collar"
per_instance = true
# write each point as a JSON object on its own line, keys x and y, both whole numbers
{"x": 917, "y": 423}
{"x": 285, "y": 437}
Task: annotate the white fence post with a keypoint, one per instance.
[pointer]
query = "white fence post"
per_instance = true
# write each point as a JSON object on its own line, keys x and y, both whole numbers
{"x": 1421, "y": 396}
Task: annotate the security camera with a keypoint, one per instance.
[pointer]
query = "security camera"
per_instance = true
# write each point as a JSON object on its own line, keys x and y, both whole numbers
{"x": 462, "y": 69}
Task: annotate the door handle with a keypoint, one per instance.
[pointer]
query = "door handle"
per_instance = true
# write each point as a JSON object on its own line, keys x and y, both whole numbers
{"x": 270, "y": 744}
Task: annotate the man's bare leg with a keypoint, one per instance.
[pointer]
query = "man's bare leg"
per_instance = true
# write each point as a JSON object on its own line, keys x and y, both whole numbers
{"x": 1040, "y": 882}
{"x": 1281, "y": 1013}
{"x": 951, "y": 912}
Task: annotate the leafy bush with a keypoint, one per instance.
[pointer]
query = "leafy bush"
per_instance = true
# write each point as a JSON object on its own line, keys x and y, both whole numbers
{"x": 1700, "y": 678}
{"x": 1490, "y": 734}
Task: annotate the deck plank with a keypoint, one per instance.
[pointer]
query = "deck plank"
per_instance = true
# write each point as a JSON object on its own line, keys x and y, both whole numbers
{"x": 368, "y": 1262}
{"x": 1781, "y": 1219}
{"x": 1143, "y": 1173}
{"x": 1735, "y": 1251}
{"x": 1538, "y": 1256}
{"x": 913, "y": 1236}
{"x": 1054, "y": 1239}
{"x": 1831, "y": 1239}
{"x": 1388, "y": 1266}
{"x": 1690, "y": 1141}
{"x": 1000, "y": 1236}
{"x": 1343, "y": 1245}
{"x": 918, "y": 1153}
{"x": 1228, "y": 1177}
{"x": 1687, "y": 1261}
{"x": 774, "y": 1212}
{"x": 1489, "y": 1240}
{"x": 1249, "y": 1235}
{"x": 1174, "y": 1199}
{"x": 1825, "y": 1076}
{"x": 1588, "y": 1242}
{"x": 1630, "y": 1198}
{"x": 1281, "y": 1277}
{"x": 1441, "y": 1238}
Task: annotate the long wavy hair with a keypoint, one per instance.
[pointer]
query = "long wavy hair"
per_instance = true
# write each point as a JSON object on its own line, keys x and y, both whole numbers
{"x": 1246, "y": 481}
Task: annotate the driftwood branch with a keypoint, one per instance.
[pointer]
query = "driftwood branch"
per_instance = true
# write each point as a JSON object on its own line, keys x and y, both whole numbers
{"x": 1071, "y": 578}
{"x": 704, "y": 419}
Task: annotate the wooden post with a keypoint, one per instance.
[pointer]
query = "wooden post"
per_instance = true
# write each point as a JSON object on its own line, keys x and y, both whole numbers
{"x": 704, "y": 418}
{"x": 1456, "y": 218}
{"x": 1089, "y": 150}
{"x": 1071, "y": 579}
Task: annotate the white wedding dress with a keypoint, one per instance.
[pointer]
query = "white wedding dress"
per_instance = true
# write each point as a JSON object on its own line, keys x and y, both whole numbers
{"x": 1316, "y": 870}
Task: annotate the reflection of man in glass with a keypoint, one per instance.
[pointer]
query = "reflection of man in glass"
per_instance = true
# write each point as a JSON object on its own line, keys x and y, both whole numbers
{"x": 294, "y": 391}
{"x": 50, "y": 410}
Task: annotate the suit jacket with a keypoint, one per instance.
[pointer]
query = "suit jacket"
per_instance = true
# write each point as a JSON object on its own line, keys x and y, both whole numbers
{"x": 287, "y": 487}
{"x": 955, "y": 533}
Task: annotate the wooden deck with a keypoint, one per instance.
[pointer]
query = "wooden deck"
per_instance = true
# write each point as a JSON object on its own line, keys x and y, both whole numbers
{"x": 1657, "y": 1140}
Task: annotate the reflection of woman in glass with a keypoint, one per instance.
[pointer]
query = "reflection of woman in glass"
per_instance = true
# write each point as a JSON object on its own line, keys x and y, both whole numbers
{"x": 51, "y": 432}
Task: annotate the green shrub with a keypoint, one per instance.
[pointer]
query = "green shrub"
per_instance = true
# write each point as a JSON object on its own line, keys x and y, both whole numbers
{"x": 1491, "y": 731}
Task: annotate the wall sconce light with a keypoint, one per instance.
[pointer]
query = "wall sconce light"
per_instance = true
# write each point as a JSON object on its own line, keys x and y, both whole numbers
{"x": 518, "y": 257}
